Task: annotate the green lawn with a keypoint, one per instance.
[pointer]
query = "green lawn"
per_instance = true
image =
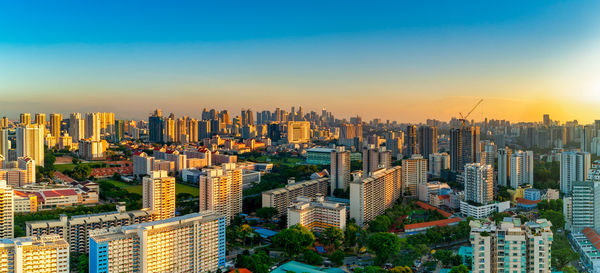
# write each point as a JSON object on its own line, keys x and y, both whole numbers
{"x": 70, "y": 167}
{"x": 179, "y": 188}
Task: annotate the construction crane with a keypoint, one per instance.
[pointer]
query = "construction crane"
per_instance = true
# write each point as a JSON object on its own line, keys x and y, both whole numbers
{"x": 464, "y": 119}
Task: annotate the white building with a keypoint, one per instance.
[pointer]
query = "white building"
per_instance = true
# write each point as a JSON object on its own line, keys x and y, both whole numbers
{"x": 158, "y": 193}
{"x": 574, "y": 166}
{"x": 414, "y": 173}
{"x": 426, "y": 189}
{"x": 221, "y": 190}
{"x": 30, "y": 142}
{"x": 521, "y": 169}
{"x": 482, "y": 211}
{"x": 438, "y": 162}
{"x": 6, "y": 210}
{"x": 371, "y": 196}
{"x": 339, "y": 177}
{"x": 479, "y": 183}
{"x": 316, "y": 214}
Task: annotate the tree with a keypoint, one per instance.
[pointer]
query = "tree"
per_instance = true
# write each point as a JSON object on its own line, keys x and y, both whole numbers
{"x": 312, "y": 257}
{"x": 400, "y": 269}
{"x": 460, "y": 269}
{"x": 293, "y": 240}
{"x": 380, "y": 224}
{"x": 447, "y": 257}
{"x": 351, "y": 234}
{"x": 76, "y": 161}
{"x": 569, "y": 269}
{"x": 332, "y": 236}
{"x": 556, "y": 218}
{"x": 266, "y": 213}
{"x": 257, "y": 263}
{"x": 384, "y": 245}
{"x": 49, "y": 160}
{"x": 81, "y": 172}
{"x": 337, "y": 258}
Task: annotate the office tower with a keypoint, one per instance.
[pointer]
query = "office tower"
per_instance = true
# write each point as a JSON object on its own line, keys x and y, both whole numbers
{"x": 4, "y": 143}
{"x": 6, "y": 210}
{"x": 512, "y": 246}
{"x": 504, "y": 156}
{"x": 76, "y": 127}
{"x": 107, "y": 123}
{"x": 119, "y": 130}
{"x": 371, "y": 196}
{"x": 156, "y": 127}
{"x": 427, "y": 136}
{"x": 351, "y": 135}
{"x": 215, "y": 126}
{"x": 316, "y": 214}
{"x": 193, "y": 130}
{"x": 30, "y": 142}
{"x": 546, "y": 120}
{"x": 298, "y": 132}
{"x": 49, "y": 253}
{"x": 479, "y": 183}
{"x": 170, "y": 129}
{"x": 28, "y": 165}
{"x": 464, "y": 147}
{"x": 412, "y": 147}
{"x": 224, "y": 117}
{"x": 521, "y": 169}
{"x": 585, "y": 206}
{"x": 414, "y": 173}
{"x": 395, "y": 143}
{"x": 586, "y": 138}
{"x": 3, "y": 122}
{"x": 221, "y": 190}
{"x": 25, "y": 119}
{"x": 438, "y": 162}
{"x": 374, "y": 159}
{"x": 339, "y": 175}
{"x": 282, "y": 198}
{"x": 159, "y": 194}
{"x": 574, "y": 166}
{"x": 181, "y": 134}
{"x": 40, "y": 119}
{"x": 203, "y": 129}
{"x": 92, "y": 126}
{"x": 247, "y": 117}
{"x": 189, "y": 243}
{"x": 55, "y": 120}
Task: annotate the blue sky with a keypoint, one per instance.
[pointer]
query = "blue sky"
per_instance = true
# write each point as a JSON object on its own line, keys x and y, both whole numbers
{"x": 391, "y": 59}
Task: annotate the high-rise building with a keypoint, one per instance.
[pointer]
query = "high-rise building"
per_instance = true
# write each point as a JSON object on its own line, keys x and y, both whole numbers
{"x": 479, "y": 183}
{"x": 585, "y": 206}
{"x": 316, "y": 214}
{"x": 586, "y": 138}
{"x": 6, "y": 210}
{"x": 55, "y": 121}
{"x": 4, "y": 143}
{"x": 30, "y": 142}
{"x": 395, "y": 144}
{"x": 464, "y": 147}
{"x": 28, "y": 165}
{"x": 371, "y": 196}
{"x": 512, "y": 246}
{"x": 414, "y": 173}
{"x": 339, "y": 175}
{"x": 48, "y": 253}
{"x": 247, "y": 117}
{"x": 158, "y": 192}
{"x": 92, "y": 126}
{"x": 25, "y": 119}
{"x": 3, "y": 122}
{"x": 119, "y": 130}
{"x": 298, "y": 132}
{"x": 427, "y": 140}
{"x": 504, "y": 156}
{"x": 374, "y": 159}
{"x": 351, "y": 135}
{"x": 438, "y": 162}
{"x": 76, "y": 127}
{"x": 574, "y": 166}
{"x": 282, "y": 198}
{"x": 221, "y": 190}
{"x": 521, "y": 169}
{"x": 189, "y": 243}
{"x": 412, "y": 146}
{"x": 156, "y": 127}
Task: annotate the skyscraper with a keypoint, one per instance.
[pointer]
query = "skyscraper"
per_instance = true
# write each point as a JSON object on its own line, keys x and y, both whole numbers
{"x": 414, "y": 172}
{"x": 25, "y": 118}
{"x": 427, "y": 140}
{"x": 371, "y": 196}
{"x": 412, "y": 147}
{"x": 574, "y": 166}
{"x": 189, "y": 243}
{"x": 40, "y": 119}
{"x": 247, "y": 117}
{"x": 92, "y": 126}
{"x": 30, "y": 142}
{"x": 220, "y": 190}
{"x": 438, "y": 162}
{"x": 155, "y": 126}
{"x": 479, "y": 183}
{"x": 4, "y": 144}
{"x": 504, "y": 155}
{"x": 6, "y": 210}
{"x": 76, "y": 127}
{"x": 585, "y": 203}
{"x": 374, "y": 159}
{"x": 158, "y": 192}
{"x": 55, "y": 120}
{"x": 521, "y": 169}
{"x": 339, "y": 176}
{"x": 464, "y": 147}
{"x": 119, "y": 130}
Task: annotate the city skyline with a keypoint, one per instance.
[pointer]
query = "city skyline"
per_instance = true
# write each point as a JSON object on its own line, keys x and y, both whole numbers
{"x": 398, "y": 61}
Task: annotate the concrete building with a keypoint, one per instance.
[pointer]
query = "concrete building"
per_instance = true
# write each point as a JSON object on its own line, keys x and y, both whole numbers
{"x": 298, "y": 131}
{"x": 521, "y": 169}
{"x": 464, "y": 147}
{"x": 585, "y": 206}
{"x": 319, "y": 156}
{"x": 158, "y": 192}
{"x": 189, "y": 243}
{"x": 92, "y": 126}
{"x": 437, "y": 163}
{"x": 6, "y": 210}
{"x": 76, "y": 127}
{"x": 282, "y": 198}
{"x": 426, "y": 189}
{"x": 479, "y": 183}
{"x": 221, "y": 190}
{"x": 428, "y": 137}
{"x": 316, "y": 214}
{"x": 374, "y": 159}
{"x": 371, "y": 196}
{"x": 512, "y": 246}
{"x": 34, "y": 254}
{"x": 30, "y": 142}
{"x": 414, "y": 173}
{"x": 339, "y": 176}
{"x": 574, "y": 166}
{"x": 55, "y": 121}
{"x": 504, "y": 156}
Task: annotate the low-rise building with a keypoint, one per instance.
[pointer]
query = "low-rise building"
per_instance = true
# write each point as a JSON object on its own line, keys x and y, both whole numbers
{"x": 281, "y": 198}
{"x": 317, "y": 214}
{"x": 481, "y": 211}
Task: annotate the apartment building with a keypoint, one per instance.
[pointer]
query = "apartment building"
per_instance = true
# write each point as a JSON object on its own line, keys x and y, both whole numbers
{"x": 371, "y": 196}
{"x": 316, "y": 214}
{"x": 34, "y": 254}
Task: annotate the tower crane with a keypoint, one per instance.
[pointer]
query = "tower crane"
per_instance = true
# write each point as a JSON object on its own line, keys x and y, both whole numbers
{"x": 463, "y": 119}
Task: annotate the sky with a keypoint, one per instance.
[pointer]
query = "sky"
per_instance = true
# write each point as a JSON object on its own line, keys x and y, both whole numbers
{"x": 398, "y": 60}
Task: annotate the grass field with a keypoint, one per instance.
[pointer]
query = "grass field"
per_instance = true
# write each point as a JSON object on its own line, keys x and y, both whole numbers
{"x": 64, "y": 167}
{"x": 179, "y": 188}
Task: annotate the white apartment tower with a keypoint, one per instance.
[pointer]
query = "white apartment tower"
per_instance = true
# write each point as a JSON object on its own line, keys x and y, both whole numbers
{"x": 521, "y": 169}
{"x": 30, "y": 142}
{"x": 371, "y": 196}
{"x": 339, "y": 176}
{"x": 479, "y": 183}
{"x": 504, "y": 155}
{"x": 221, "y": 190}
{"x": 414, "y": 173}
{"x": 574, "y": 166}
{"x": 6, "y": 210}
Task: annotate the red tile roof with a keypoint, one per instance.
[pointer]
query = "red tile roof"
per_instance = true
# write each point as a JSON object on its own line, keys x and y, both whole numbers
{"x": 438, "y": 223}
{"x": 592, "y": 236}
{"x": 57, "y": 193}
{"x": 20, "y": 193}
{"x": 527, "y": 201}
{"x": 430, "y": 207}
{"x": 240, "y": 270}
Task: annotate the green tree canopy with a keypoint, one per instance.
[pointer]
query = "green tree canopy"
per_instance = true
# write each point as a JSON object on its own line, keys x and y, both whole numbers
{"x": 293, "y": 240}
{"x": 384, "y": 245}
{"x": 266, "y": 213}
{"x": 332, "y": 236}
{"x": 460, "y": 269}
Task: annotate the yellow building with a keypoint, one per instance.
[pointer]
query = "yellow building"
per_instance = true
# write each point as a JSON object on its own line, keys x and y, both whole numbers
{"x": 316, "y": 214}
{"x": 221, "y": 190}
{"x": 159, "y": 194}
{"x": 298, "y": 132}
{"x": 6, "y": 210}
{"x": 49, "y": 253}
